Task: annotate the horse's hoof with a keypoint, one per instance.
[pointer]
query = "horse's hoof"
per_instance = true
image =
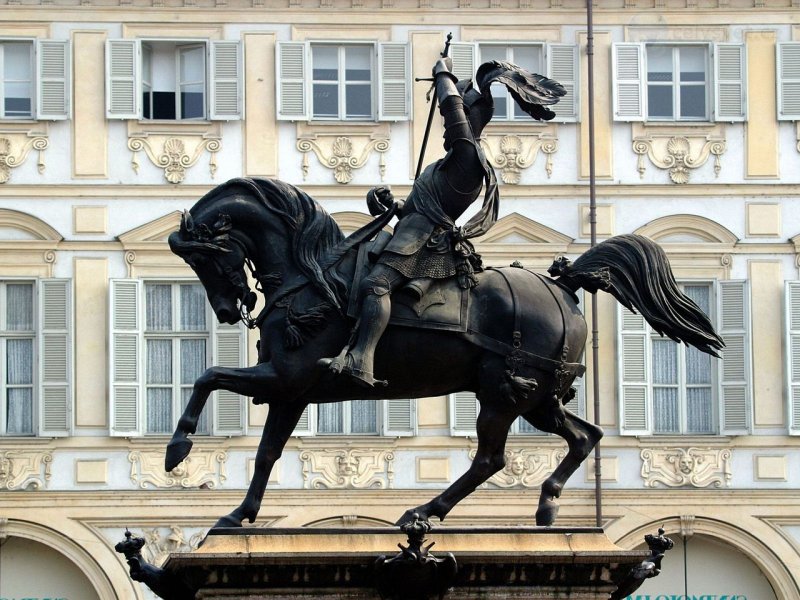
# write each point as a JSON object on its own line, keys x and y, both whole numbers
{"x": 546, "y": 513}
{"x": 177, "y": 450}
{"x": 228, "y": 521}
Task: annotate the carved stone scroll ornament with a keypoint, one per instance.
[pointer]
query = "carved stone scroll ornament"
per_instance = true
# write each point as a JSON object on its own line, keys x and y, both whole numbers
{"x": 174, "y": 154}
{"x": 24, "y": 470}
{"x": 679, "y": 154}
{"x": 695, "y": 467}
{"x": 14, "y": 150}
{"x": 343, "y": 155}
{"x": 348, "y": 469}
{"x": 513, "y": 153}
{"x": 525, "y": 468}
{"x": 204, "y": 468}
{"x": 160, "y": 542}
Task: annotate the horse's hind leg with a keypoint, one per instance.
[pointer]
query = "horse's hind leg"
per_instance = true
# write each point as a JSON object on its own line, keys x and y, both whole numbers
{"x": 281, "y": 421}
{"x": 581, "y": 437}
{"x": 492, "y": 426}
{"x": 250, "y": 381}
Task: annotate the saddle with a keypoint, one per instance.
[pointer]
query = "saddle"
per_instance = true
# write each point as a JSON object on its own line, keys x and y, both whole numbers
{"x": 424, "y": 303}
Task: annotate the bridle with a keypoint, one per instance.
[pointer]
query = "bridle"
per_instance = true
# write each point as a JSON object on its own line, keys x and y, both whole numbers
{"x": 246, "y": 298}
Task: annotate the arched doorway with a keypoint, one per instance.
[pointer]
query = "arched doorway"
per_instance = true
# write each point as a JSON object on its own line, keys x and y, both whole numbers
{"x": 30, "y": 569}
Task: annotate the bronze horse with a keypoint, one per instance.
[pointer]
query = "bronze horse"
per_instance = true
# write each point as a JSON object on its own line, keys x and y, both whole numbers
{"x": 520, "y": 353}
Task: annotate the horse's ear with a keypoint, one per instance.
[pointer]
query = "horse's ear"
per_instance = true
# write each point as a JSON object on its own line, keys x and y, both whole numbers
{"x": 187, "y": 223}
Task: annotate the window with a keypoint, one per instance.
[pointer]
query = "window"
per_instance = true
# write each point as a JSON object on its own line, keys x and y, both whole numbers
{"x": 343, "y": 82}
{"x": 557, "y": 61}
{"x": 396, "y": 417}
{"x": 173, "y": 80}
{"x": 353, "y": 417}
{"x": 679, "y": 82}
{"x": 35, "y": 357}
{"x": 163, "y": 337}
{"x": 34, "y": 79}
{"x": 674, "y": 389}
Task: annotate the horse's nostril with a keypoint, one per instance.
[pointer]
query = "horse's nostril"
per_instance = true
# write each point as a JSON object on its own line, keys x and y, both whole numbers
{"x": 224, "y": 315}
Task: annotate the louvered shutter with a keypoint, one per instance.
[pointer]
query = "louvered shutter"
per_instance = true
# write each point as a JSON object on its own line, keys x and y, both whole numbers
{"x": 395, "y": 86}
{"x": 463, "y": 413}
{"x": 303, "y": 427}
{"x": 788, "y": 81}
{"x": 463, "y": 55}
{"x": 793, "y": 354}
{"x": 229, "y": 351}
{"x": 126, "y": 350}
{"x": 734, "y": 327}
{"x": 52, "y": 74}
{"x": 729, "y": 99}
{"x": 399, "y": 417}
{"x": 633, "y": 369}
{"x": 226, "y": 81}
{"x": 55, "y": 357}
{"x": 123, "y": 79}
{"x": 562, "y": 65}
{"x": 578, "y": 403}
{"x": 292, "y": 96}
{"x": 629, "y": 83}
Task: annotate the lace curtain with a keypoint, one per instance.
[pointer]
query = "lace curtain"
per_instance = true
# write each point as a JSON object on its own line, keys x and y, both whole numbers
{"x": 19, "y": 359}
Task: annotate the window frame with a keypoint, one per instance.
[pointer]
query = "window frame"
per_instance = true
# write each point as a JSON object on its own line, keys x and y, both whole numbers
{"x": 347, "y": 420}
{"x": 175, "y": 336}
{"x": 34, "y": 84}
{"x": 676, "y": 83}
{"x": 33, "y": 335}
{"x": 180, "y": 45}
{"x": 511, "y": 117}
{"x": 341, "y": 81}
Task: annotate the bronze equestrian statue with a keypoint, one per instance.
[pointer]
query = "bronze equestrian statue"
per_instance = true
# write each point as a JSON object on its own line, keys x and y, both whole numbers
{"x": 512, "y": 336}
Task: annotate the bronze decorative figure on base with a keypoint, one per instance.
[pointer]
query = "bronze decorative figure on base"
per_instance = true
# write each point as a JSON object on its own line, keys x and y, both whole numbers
{"x": 512, "y": 336}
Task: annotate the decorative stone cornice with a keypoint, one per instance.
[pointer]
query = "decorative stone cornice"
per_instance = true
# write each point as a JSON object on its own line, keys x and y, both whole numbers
{"x": 204, "y": 468}
{"x": 174, "y": 154}
{"x": 16, "y": 145}
{"x": 24, "y": 469}
{"x": 343, "y": 153}
{"x": 512, "y": 153}
{"x": 695, "y": 467}
{"x": 525, "y": 468}
{"x": 348, "y": 469}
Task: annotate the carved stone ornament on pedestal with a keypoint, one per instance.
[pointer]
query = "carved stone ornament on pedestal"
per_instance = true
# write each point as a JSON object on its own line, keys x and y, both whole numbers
{"x": 24, "y": 469}
{"x": 348, "y": 469}
{"x": 679, "y": 154}
{"x": 15, "y": 147}
{"x": 525, "y": 468}
{"x": 344, "y": 154}
{"x": 159, "y": 543}
{"x": 204, "y": 468}
{"x": 695, "y": 467}
{"x": 514, "y": 153}
{"x": 175, "y": 155}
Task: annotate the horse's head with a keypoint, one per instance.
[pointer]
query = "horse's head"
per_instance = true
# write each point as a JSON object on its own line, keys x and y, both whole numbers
{"x": 218, "y": 259}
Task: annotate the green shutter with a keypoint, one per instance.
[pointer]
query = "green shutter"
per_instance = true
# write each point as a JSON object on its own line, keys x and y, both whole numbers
{"x": 395, "y": 82}
{"x": 628, "y": 73}
{"x": 399, "y": 417}
{"x": 633, "y": 373}
{"x": 229, "y": 351}
{"x": 125, "y": 331}
{"x": 227, "y": 95}
{"x": 730, "y": 84}
{"x": 793, "y": 354}
{"x": 55, "y": 358}
{"x": 291, "y": 69}
{"x": 463, "y": 413}
{"x": 52, "y": 71}
{"x": 562, "y": 65}
{"x": 734, "y": 368}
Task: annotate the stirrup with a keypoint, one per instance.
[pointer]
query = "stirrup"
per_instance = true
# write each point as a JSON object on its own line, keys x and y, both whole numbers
{"x": 343, "y": 364}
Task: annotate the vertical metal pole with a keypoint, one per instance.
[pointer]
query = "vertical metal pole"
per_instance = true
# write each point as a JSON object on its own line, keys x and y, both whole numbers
{"x": 598, "y": 488}
{"x": 685, "y": 567}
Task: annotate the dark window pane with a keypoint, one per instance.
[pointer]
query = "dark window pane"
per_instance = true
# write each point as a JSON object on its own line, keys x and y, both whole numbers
{"x": 693, "y": 101}
{"x": 359, "y": 101}
{"x": 192, "y": 105}
{"x": 500, "y": 95}
{"x": 146, "y": 108}
{"x": 659, "y": 101}
{"x": 326, "y": 100}
{"x": 18, "y": 107}
{"x": 164, "y": 105}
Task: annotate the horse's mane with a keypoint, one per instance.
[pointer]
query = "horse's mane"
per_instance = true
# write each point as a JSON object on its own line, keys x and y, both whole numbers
{"x": 314, "y": 233}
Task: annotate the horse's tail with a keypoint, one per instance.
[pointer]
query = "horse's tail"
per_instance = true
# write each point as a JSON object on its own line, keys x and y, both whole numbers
{"x": 636, "y": 271}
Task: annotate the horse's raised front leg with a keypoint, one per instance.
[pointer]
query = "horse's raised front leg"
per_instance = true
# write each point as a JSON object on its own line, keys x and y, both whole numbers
{"x": 581, "y": 437}
{"x": 249, "y": 381}
{"x": 492, "y": 426}
{"x": 281, "y": 421}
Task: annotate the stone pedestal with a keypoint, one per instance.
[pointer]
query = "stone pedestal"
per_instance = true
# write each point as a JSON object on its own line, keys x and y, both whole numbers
{"x": 328, "y": 564}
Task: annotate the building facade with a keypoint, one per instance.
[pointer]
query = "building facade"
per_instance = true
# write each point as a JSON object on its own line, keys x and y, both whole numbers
{"x": 117, "y": 115}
